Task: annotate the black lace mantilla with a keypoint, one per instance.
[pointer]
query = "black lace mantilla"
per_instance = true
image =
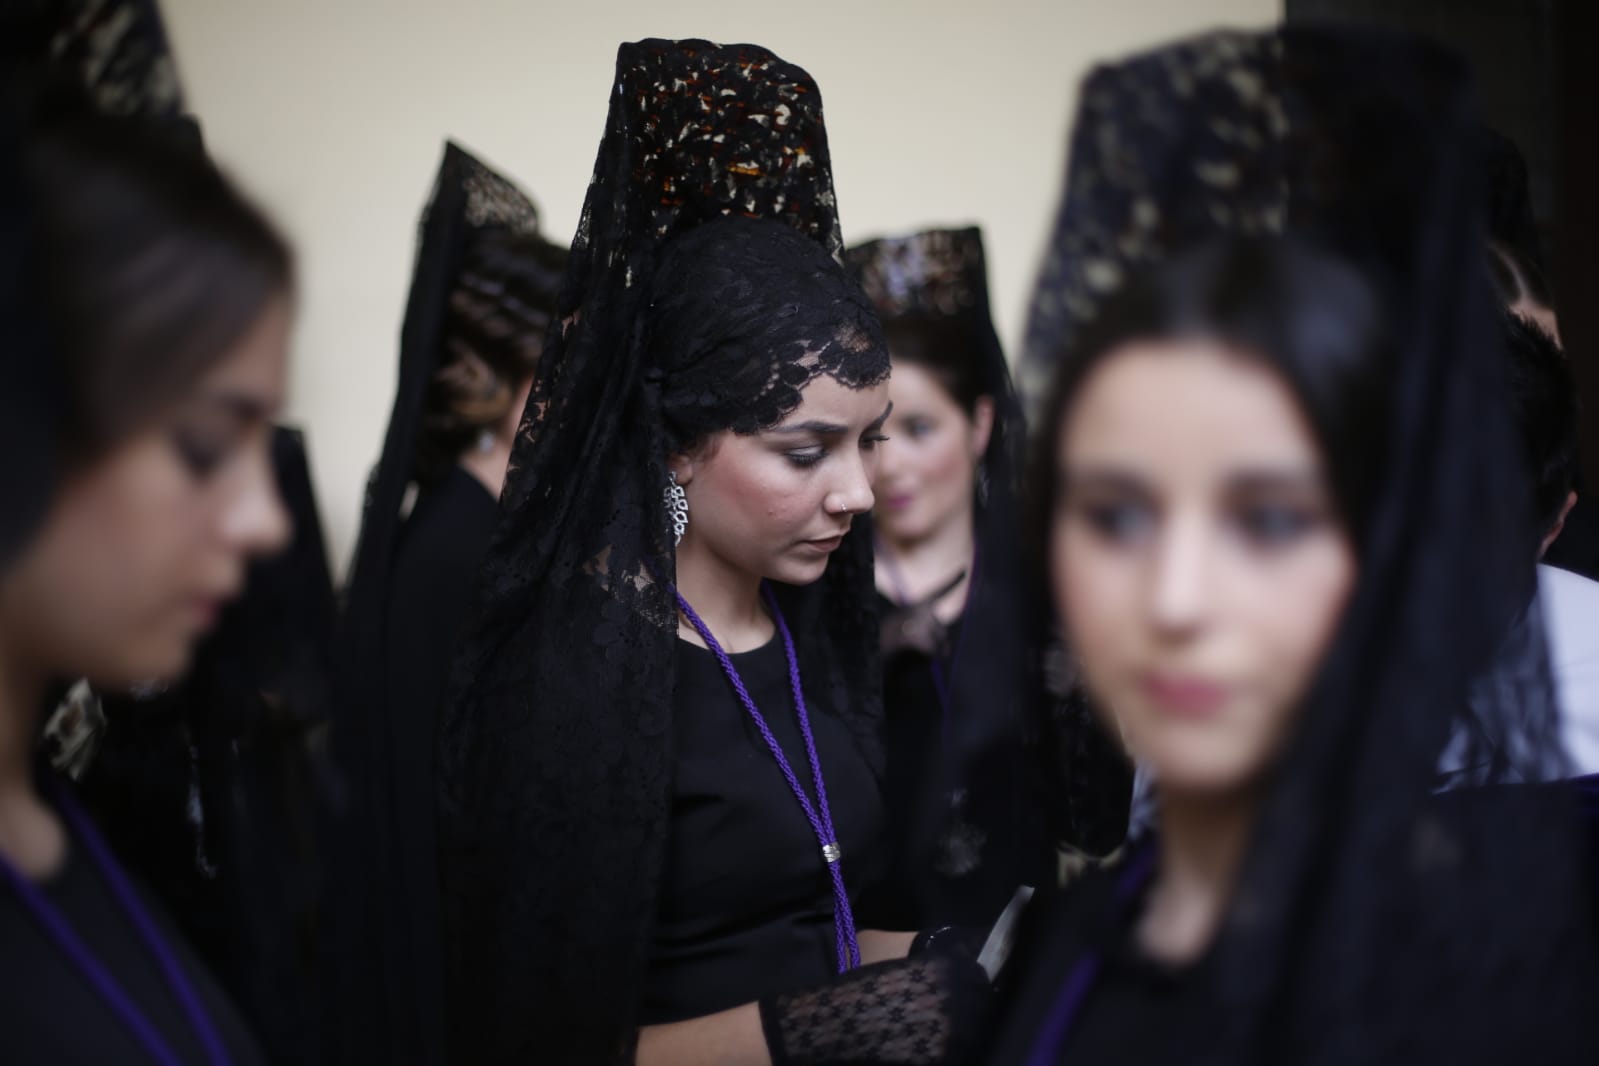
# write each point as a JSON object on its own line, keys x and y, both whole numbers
{"x": 555, "y": 753}
{"x": 388, "y": 914}
{"x": 114, "y": 51}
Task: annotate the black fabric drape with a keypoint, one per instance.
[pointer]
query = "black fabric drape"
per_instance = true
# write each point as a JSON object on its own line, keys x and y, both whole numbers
{"x": 388, "y": 1005}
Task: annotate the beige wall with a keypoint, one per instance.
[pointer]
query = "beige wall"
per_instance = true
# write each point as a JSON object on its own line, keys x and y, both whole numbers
{"x": 333, "y": 113}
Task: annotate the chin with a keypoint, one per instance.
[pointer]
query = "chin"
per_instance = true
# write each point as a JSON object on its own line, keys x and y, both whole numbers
{"x": 798, "y": 571}
{"x": 903, "y": 527}
{"x": 158, "y": 665}
{"x": 1203, "y": 773}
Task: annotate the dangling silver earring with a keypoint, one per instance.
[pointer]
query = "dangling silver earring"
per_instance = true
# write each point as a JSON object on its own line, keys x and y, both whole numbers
{"x": 676, "y": 507}
{"x": 485, "y": 441}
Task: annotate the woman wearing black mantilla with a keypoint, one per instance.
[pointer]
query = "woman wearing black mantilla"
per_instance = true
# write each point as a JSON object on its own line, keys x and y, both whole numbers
{"x": 660, "y": 770}
{"x": 482, "y": 298}
{"x": 1278, "y": 407}
{"x": 962, "y": 679}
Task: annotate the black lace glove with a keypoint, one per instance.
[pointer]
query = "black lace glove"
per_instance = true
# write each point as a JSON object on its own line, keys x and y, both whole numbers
{"x": 906, "y": 1012}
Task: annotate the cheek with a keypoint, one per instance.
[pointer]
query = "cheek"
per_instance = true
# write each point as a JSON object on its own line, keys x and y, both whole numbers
{"x": 1095, "y": 592}
{"x": 1294, "y": 615}
{"x": 758, "y": 500}
{"x": 107, "y": 583}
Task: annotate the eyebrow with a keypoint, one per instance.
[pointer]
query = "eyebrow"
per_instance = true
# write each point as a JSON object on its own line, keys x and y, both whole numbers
{"x": 1244, "y": 481}
{"x": 242, "y": 406}
{"x": 833, "y": 429}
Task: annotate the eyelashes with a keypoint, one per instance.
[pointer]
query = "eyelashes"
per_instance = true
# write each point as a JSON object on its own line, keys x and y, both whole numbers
{"x": 199, "y": 454}
{"x": 1263, "y": 527}
{"x": 808, "y": 457}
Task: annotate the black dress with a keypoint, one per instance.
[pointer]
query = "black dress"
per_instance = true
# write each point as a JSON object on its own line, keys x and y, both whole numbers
{"x": 1132, "y": 1003}
{"x": 435, "y": 573}
{"x": 50, "y": 1015}
{"x": 962, "y": 828}
{"x": 745, "y": 903}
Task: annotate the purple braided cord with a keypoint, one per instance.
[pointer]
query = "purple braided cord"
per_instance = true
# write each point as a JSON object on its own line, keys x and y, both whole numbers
{"x": 847, "y": 943}
{"x": 67, "y": 939}
{"x": 1084, "y": 973}
{"x": 60, "y": 930}
{"x": 210, "y": 1039}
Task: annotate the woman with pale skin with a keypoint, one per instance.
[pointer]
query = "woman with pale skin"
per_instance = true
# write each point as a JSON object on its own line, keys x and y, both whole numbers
{"x": 1207, "y": 477}
{"x": 959, "y": 635}
{"x": 167, "y": 305}
{"x": 927, "y": 482}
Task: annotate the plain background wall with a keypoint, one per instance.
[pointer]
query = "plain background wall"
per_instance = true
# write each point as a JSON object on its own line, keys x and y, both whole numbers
{"x": 333, "y": 114}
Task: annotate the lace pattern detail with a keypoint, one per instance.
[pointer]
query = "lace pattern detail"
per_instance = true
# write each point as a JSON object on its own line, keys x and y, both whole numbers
{"x": 939, "y": 272}
{"x": 914, "y": 1012}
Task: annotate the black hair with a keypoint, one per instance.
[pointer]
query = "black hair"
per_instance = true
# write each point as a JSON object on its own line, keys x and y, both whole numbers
{"x": 152, "y": 267}
{"x": 943, "y": 348}
{"x": 1543, "y": 401}
{"x": 1298, "y": 310}
{"x": 500, "y": 309}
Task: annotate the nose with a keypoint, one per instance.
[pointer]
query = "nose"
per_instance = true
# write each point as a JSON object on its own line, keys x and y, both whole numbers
{"x": 1179, "y": 580}
{"x": 255, "y": 521}
{"x": 852, "y": 494}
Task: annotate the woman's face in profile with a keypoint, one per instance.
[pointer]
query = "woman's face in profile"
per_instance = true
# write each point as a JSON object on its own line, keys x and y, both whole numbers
{"x": 145, "y": 544}
{"x": 777, "y": 503}
{"x": 1197, "y": 557}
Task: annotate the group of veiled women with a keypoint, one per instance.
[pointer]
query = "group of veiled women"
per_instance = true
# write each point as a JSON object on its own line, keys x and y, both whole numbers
{"x": 725, "y": 674}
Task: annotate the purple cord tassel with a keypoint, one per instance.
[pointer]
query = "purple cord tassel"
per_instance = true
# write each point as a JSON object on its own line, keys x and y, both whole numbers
{"x": 848, "y": 942}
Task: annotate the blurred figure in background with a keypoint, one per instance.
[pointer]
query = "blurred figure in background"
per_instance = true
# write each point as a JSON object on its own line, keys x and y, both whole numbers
{"x": 153, "y": 303}
{"x": 1543, "y": 401}
{"x": 482, "y": 299}
{"x": 1260, "y": 482}
{"x": 961, "y": 668}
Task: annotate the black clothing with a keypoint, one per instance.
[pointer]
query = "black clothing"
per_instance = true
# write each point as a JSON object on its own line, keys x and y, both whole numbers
{"x": 1137, "y": 1008}
{"x": 440, "y": 549}
{"x": 1126, "y": 1015}
{"x": 53, "y": 1016}
{"x": 410, "y": 592}
{"x": 969, "y": 818}
{"x": 962, "y": 832}
{"x": 745, "y": 910}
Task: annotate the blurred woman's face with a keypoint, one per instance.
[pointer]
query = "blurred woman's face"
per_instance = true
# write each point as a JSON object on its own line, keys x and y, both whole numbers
{"x": 776, "y": 504}
{"x": 1197, "y": 558}
{"x": 927, "y": 474}
{"x": 145, "y": 544}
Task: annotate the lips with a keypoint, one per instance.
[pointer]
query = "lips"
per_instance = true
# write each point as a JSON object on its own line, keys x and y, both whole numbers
{"x": 825, "y": 544}
{"x": 898, "y": 502}
{"x": 1185, "y": 696}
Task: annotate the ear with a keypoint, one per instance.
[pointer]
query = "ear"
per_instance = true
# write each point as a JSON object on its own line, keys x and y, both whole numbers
{"x": 681, "y": 465}
{"x": 1559, "y": 524}
{"x": 982, "y": 425}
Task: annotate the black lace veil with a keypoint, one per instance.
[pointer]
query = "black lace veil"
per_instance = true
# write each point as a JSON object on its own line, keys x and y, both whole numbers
{"x": 104, "y": 56}
{"x": 555, "y": 757}
{"x": 390, "y": 959}
{"x": 1373, "y": 920}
